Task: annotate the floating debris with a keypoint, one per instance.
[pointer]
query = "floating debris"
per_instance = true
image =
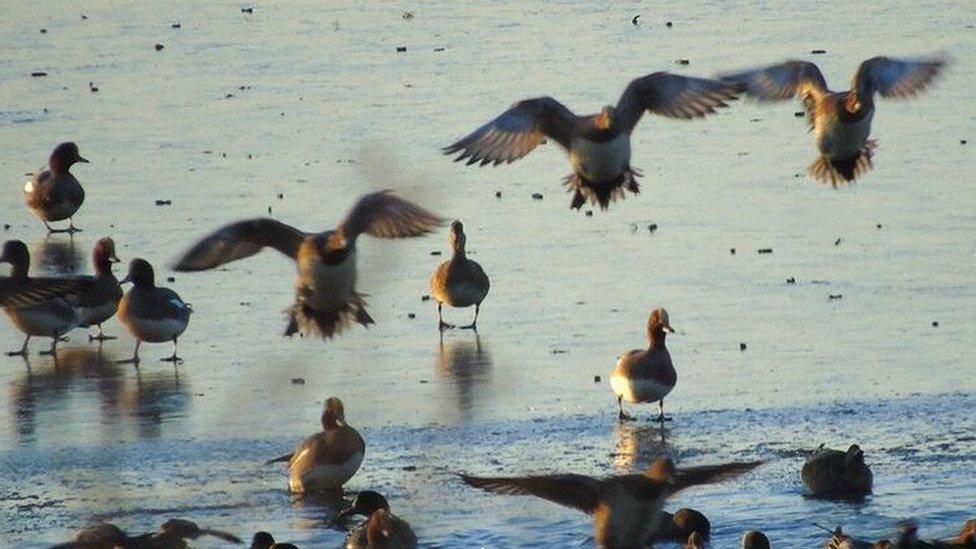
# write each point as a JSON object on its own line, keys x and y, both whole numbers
{"x": 818, "y": 52}
{"x": 38, "y": 73}
{"x": 935, "y": 323}
{"x": 498, "y": 194}
{"x": 170, "y": 279}
{"x": 765, "y": 250}
{"x": 963, "y": 142}
{"x": 536, "y": 196}
{"x": 247, "y": 10}
{"x": 409, "y": 467}
{"x": 596, "y": 379}
{"x": 668, "y": 24}
{"x": 589, "y": 213}
{"x": 407, "y": 15}
{"x": 176, "y": 26}
{"x": 683, "y": 62}
{"x": 43, "y": 31}
{"x": 159, "y": 47}
{"x": 791, "y": 280}
{"x": 92, "y": 87}
{"x": 838, "y": 241}
{"x": 411, "y": 315}
{"x": 836, "y": 296}
{"x": 425, "y": 297}
{"x": 438, "y": 49}
{"x": 161, "y": 202}
{"x": 281, "y": 196}
{"x": 635, "y": 20}
{"x": 879, "y": 225}
{"x": 799, "y": 114}
{"x": 435, "y": 252}
{"x": 652, "y": 227}
{"x": 401, "y": 49}
{"x": 298, "y": 381}
{"x": 743, "y": 346}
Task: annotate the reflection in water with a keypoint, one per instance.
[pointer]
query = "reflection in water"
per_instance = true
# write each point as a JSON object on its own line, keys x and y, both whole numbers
{"x": 319, "y": 508}
{"x": 468, "y": 365}
{"x": 56, "y": 256}
{"x": 51, "y": 395}
{"x": 638, "y": 446}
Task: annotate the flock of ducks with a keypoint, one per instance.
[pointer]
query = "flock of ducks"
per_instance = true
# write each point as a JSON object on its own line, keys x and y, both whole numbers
{"x": 628, "y": 509}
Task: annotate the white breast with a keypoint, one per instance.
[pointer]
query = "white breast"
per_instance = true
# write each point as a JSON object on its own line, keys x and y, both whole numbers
{"x": 323, "y": 477}
{"x": 638, "y": 390}
{"x": 333, "y": 285}
{"x": 600, "y": 162}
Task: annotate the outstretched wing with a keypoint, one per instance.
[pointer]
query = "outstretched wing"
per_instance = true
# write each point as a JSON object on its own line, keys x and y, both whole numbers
{"x": 687, "y": 477}
{"x": 516, "y": 132}
{"x": 896, "y": 77}
{"x": 184, "y": 529}
{"x": 576, "y": 491}
{"x": 779, "y": 82}
{"x": 385, "y": 215}
{"x": 21, "y": 293}
{"x": 670, "y": 95}
{"x": 239, "y": 240}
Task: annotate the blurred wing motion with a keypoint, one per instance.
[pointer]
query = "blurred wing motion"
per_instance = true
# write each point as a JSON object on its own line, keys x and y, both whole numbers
{"x": 670, "y": 95}
{"x": 516, "y": 132}
{"x": 779, "y": 82}
{"x": 185, "y": 529}
{"x": 384, "y": 215}
{"x": 239, "y": 240}
{"x": 20, "y": 293}
{"x": 687, "y": 477}
{"x": 896, "y": 77}
{"x": 576, "y": 491}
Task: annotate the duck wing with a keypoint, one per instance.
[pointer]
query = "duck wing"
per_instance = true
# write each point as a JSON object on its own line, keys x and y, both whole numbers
{"x": 239, "y": 240}
{"x": 670, "y": 95}
{"x": 779, "y": 82}
{"x": 687, "y": 477}
{"x": 896, "y": 77}
{"x": 385, "y": 215}
{"x": 31, "y": 291}
{"x": 516, "y": 132}
{"x": 570, "y": 490}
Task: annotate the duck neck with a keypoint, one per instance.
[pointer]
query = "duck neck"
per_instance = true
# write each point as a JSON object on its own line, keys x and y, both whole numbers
{"x": 19, "y": 268}
{"x": 58, "y": 165}
{"x": 101, "y": 261}
{"x": 458, "y": 245}
{"x": 656, "y": 335}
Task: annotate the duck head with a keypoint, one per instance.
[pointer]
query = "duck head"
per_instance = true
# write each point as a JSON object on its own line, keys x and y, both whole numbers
{"x": 366, "y": 503}
{"x": 604, "y": 120}
{"x": 334, "y": 414}
{"x": 657, "y": 325}
{"x": 662, "y": 470}
{"x": 104, "y": 255}
{"x": 755, "y": 540}
{"x": 262, "y": 540}
{"x": 64, "y": 156}
{"x": 141, "y": 274}
{"x": 855, "y": 456}
{"x": 16, "y": 253}
{"x": 457, "y": 237}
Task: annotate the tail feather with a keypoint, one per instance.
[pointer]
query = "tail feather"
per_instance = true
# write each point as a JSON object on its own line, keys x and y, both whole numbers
{"x": 304, "y": 319}
{"x": 837, "y": 172}
{"x": 279, "y": 459}
{"x": 601, "y": 193}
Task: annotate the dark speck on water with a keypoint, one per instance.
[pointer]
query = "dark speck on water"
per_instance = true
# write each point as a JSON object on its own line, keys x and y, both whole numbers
{"x": 597, "y": 379}
{"x": 281, "y": 196}
{"x": 43, "y": 31}
{"x": 669, "y": 24}
{"x": 435, "y": 252}
{"x": 247, "y": 10}
{"x": 159, "y": 47}
{"x": 838, "y": 241}
{"x": 498, "y": 194}
{"x": 298, "y": 381}
{"x": 765, "y": 250}
{"x": 732, "y": 251}
{"x": 176, "y": 26}
{"x": 161, "y": 202}
{"x": 425, "y": 297}
{"x": 411, "y": 315}
{"x": 836, "y": 296}
{"x": 589, "y": 213}
{"x": 170, "y": 279}
{"x": 652, "y": 227}
{"x": 743, "y": 347}
{"x": 401, "y": 49}
{"x": 818, "y": 52}
{"x": 799, "y": 114}
{"x": 962, "y": 141}
{"x": 879, "y": 225}
{"x": 935, "y": 323}
{"x": 536, "y": 196}
{"x": 38, "y": 73}
{"x": 791, "y": 280}
{"x": 683, "y": 62}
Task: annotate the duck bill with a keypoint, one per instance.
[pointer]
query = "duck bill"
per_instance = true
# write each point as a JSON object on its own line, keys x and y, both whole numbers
{"x": 126, "y": 280}
{"x": 83, "y": 160}
{"x": 114, "y": 259}
{"x": 669, "y": 328}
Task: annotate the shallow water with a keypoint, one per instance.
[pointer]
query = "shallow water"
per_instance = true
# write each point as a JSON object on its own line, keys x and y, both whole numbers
{"x": 330, "y": 110}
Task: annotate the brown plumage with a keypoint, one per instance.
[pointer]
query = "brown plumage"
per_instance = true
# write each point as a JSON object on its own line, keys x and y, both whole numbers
{"x": 841, "y": 121}
{"x": 646, "y": 375}
{"x": 381, "y": 529}
{"x": 755, "y": 540}
{"x": 459, "y": 281}
{"x": 152, "y": 313}
{"x": 326, "y": 300}
{"x": 101, "y": 300}
{"x": 598, "y": 144}
{"x": 626, "y": 508}
{"x": 835, "y": 474}
{"x": 53, "y": 194}
{"x": 171, "y": 535}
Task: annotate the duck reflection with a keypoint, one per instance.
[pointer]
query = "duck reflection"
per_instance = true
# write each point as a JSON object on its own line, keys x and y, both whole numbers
{"x": 59, "y": 395}
{"x": 466, "y": 366}
{"x": 55, "y": 256}
{"x": 639, "y": 445}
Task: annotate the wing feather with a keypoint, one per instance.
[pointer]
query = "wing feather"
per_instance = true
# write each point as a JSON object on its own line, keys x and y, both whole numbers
{"x": 896, "y": 78}
{"x": 385, "y": 215}
{"x": 670, "y": 95}
{"x": 240, "y": 240}
{"x": 570, "y": 490}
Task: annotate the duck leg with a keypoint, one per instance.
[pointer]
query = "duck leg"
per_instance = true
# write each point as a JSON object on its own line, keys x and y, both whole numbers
{"x": 623, "y": 416}
{"x": 174, "y": 358}
{"x": 135, "y": 356}
{"x": 23, "y": 349}
{"x": 440, "y": 318}
{"x": 53, "y": 351}
{"x": 100, "y": 336}
{"x": 662, "y": 418}
{"x": 474, "y": 323}
{"x": 71, "y": 227}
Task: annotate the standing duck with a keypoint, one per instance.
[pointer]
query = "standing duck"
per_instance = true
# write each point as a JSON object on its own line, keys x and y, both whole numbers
{"x": 646, "y": 375}
{"x": 151, "y": 313}
{"x": 101, "y": 300}
{"x": 326, "y": 300}
{"x": 53, "y": 194}
{"x": 626, "y": 508}
{"x": 841, "y": 121}
{"x": 459, "y": 281}
{"x": 324, "y": 461}
{"x": 381, "y": 529}
{"x": 835, "y": 474}
{"x": 36, "y": 306}
{"x": 598, "y": 144}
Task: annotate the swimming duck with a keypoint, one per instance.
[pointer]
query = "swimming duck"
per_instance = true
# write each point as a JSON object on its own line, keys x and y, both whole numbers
{"x": 381, "y": 529}
{"x": 695, "y": 541}
{"x": 325, "y": 461}
{"x": 326, "y": 300}
{"x": 755, "y": 540}
{"x": 598, "y": 144}
{"x": 36, "y": 306}
{"x": 459, "y": 282}
{"x": 264, "y": 540}
{"x": 646, "y": 375}
{"x": 626, "y": 508}
{"x": 841, "y": 121}
{"x": 53, "y": 194}
{"x": 102, "y": 298}
{"x": 151, "y": 313}
{"x": 171, "y": 535}
{"x": 689, "y": 521}
{"x": 836, "y": 474}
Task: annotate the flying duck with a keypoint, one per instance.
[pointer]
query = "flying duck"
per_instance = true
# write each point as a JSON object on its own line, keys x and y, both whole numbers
{"x": 53, "y": 194}
{"x": 264, "y": 540}
{"x": 324, "y": 461}
{"x": 840, "y": 121}
{"x": 627, "y": 508}
{"x": 36, "y": 306}
{"x": 381, "y": 529}
{"x": 326, "y": 300}
{"x": 101, "y": 300}
{"x": 646, "y": 375}
{"x": 836, "y": 474}
{"x": 171, "y": 535}
{"x": 754, "y": 539}
{"x": 598, "y": 144}
{"x": 151, "y": 313}
{"x": 459, "y": 281}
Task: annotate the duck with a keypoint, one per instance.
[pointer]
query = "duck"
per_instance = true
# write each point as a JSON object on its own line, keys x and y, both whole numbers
{"x": 38, "y": 307}
{"x": 459, "y": 281}
{"x": 324, "y": 461}
{"x": 626, "y": 508}
{"x": 54, "y": 194}
{"x": 754, "y": 539}
{"x": 151, "y": 313}
{"x": 264, "y": 540}
{"x": 646, "y": 375}
{"x": 835, "y": 474}
{"x": 100, "y": 302}
{"x": 326, "y": 300}
{"x": 598, "y": 144}
{"x": 695, "y": 541}
{"x": 381, "y": 529}
{"x": 170, "y": 535}
{"x": 687, "y": 521}
{"x": 839, "y": 120}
